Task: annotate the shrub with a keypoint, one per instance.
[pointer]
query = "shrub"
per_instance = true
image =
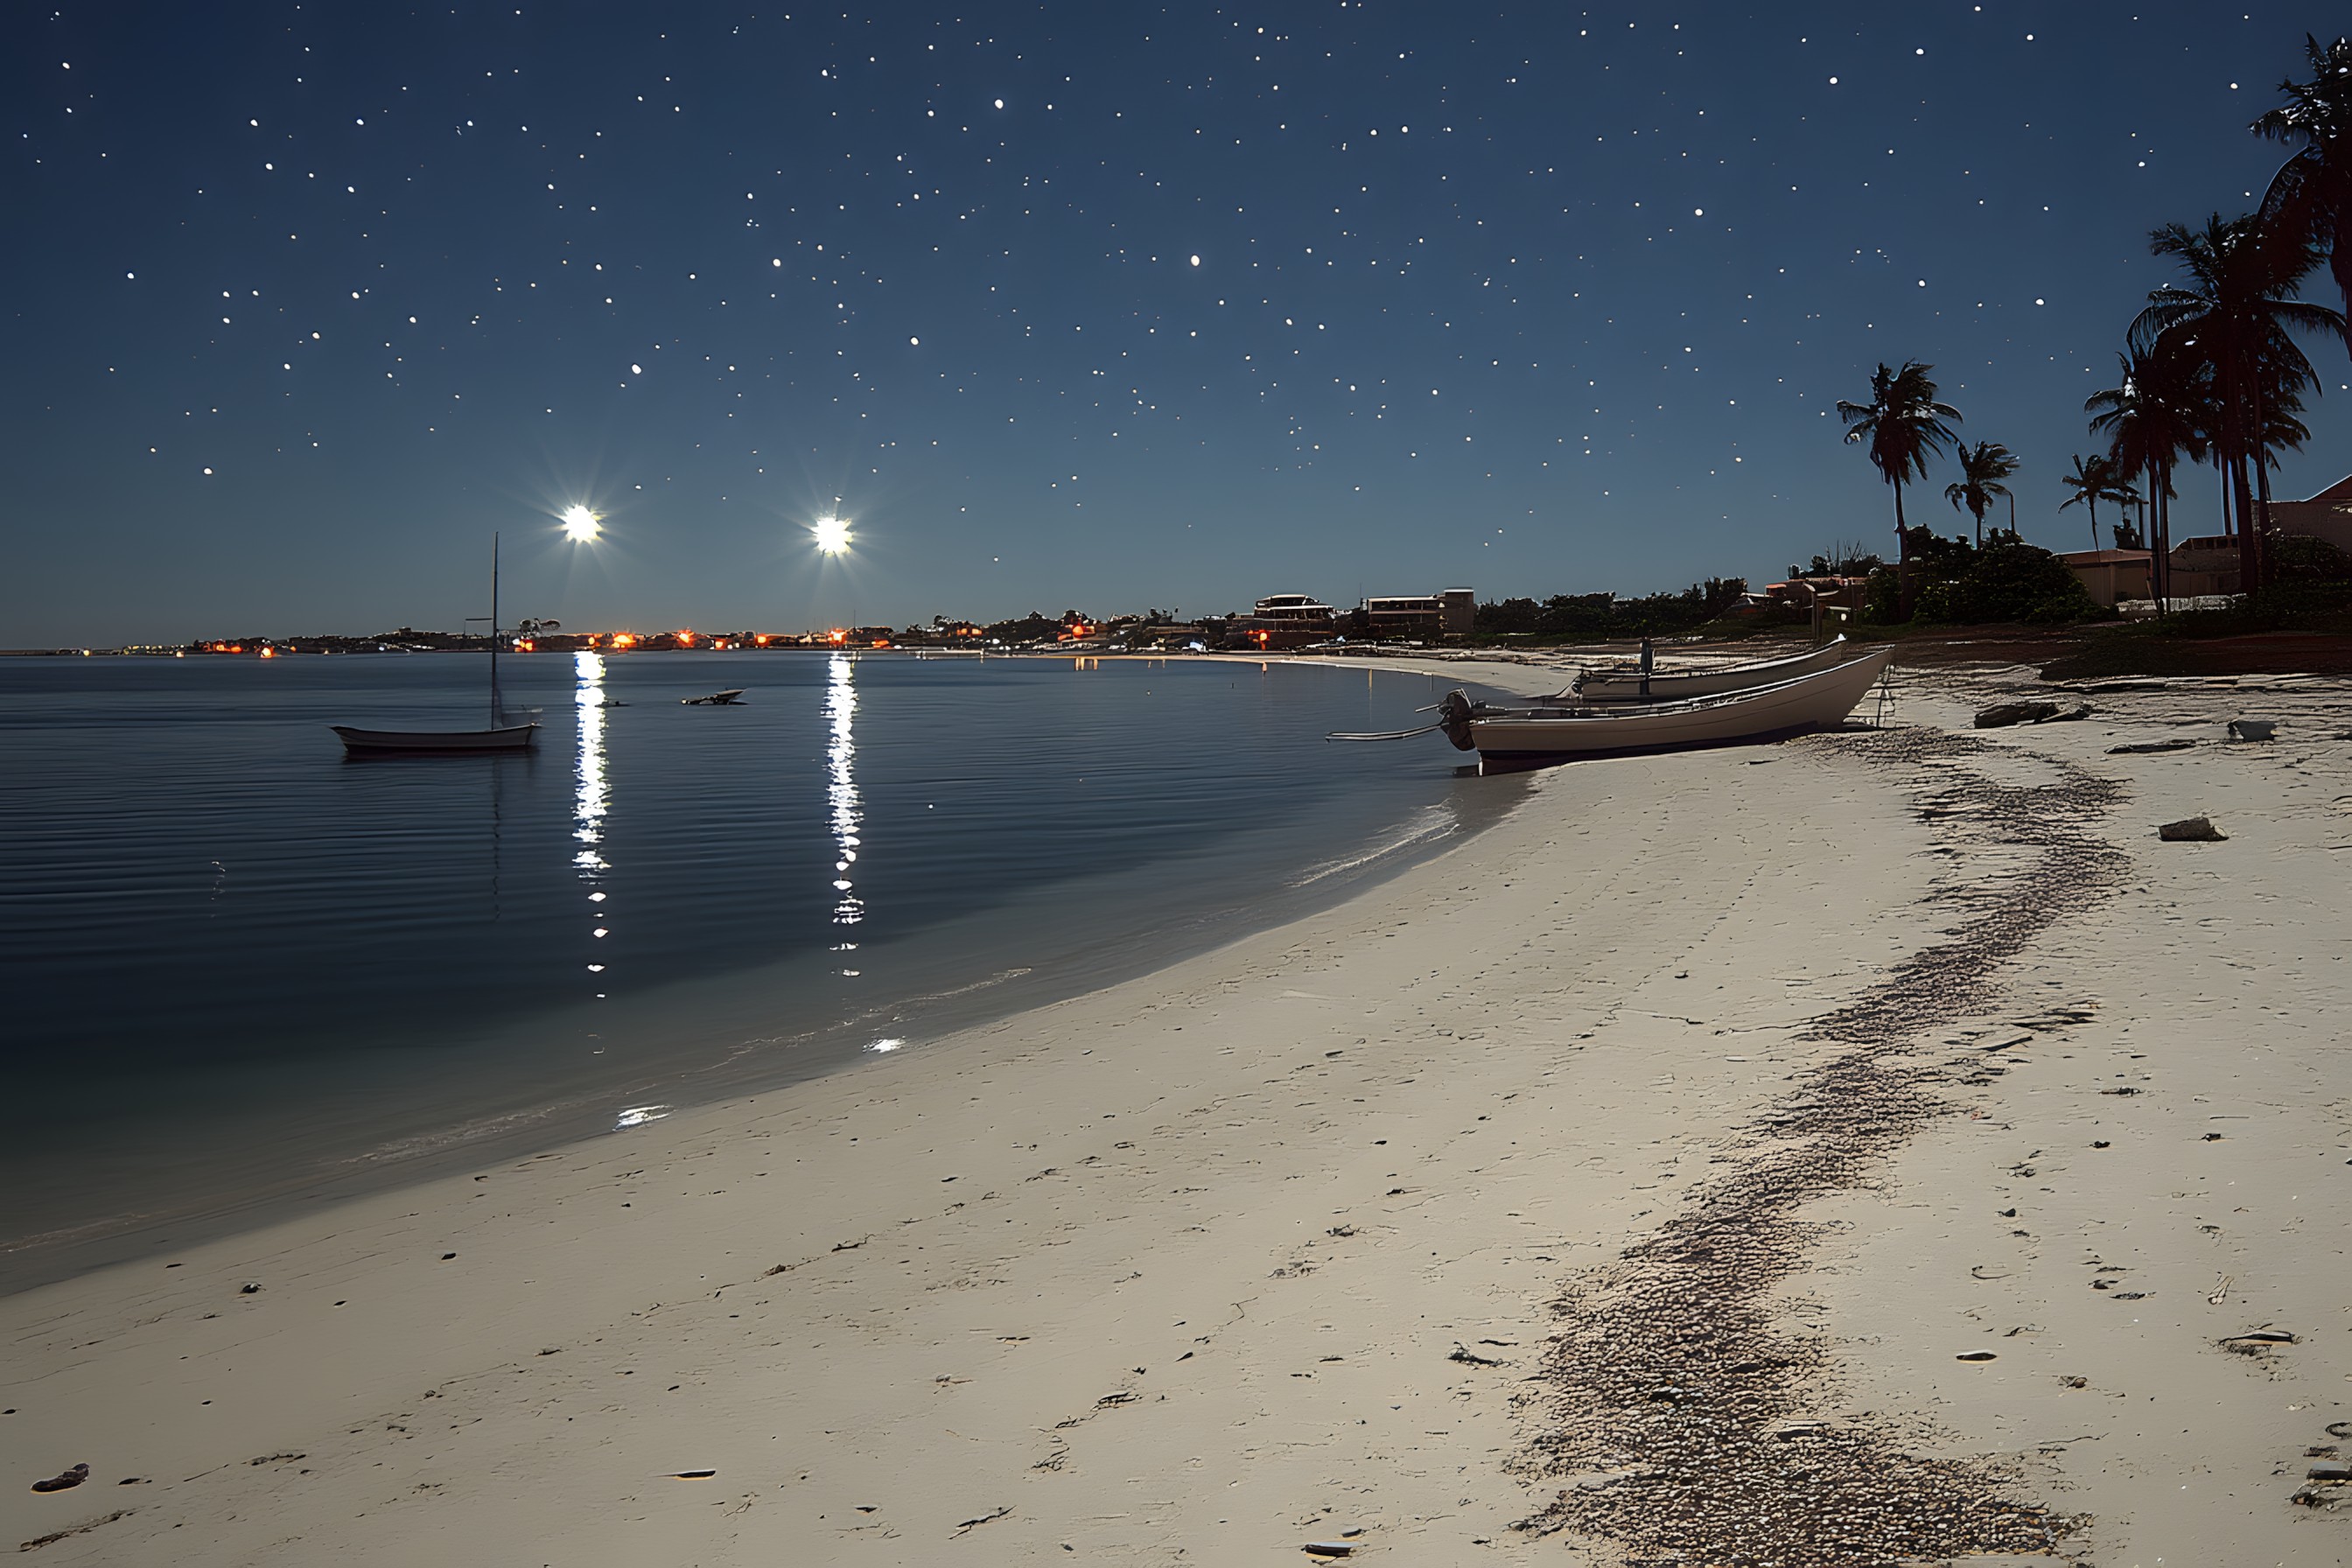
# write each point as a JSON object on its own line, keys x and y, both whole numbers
{"x": 2299, "y": 557}
{"x": 2009, "y": 583}
{"x": 1882, "y": 598}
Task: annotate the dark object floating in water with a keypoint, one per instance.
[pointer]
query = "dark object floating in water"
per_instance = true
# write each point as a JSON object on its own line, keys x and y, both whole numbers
{"x": 64, "y": 1480}
{"x": 2252, "y": 728}
{"x": 1974, "y": 1355}
{"x": 716, "y": 700}
{"x": 2142, "y": 748}
{"x": 2191, "y": 830}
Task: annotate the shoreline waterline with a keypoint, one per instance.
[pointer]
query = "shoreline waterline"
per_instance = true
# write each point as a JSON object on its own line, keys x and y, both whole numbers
{"x": 384, "y": 1119}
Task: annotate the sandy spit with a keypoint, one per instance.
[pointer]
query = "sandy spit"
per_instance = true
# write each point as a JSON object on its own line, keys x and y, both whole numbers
{"x": 1624, "y": 1185}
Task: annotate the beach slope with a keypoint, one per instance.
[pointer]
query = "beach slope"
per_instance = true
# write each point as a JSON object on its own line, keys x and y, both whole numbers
{"x": 1627, "y": 1182}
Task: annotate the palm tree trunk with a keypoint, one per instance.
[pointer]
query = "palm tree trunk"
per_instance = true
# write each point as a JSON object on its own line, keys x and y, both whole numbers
{"x": 1902, "y": 556}
{"x": 2159, "y": 539}
{"x": 2249, "y": 562}
{"x": 2093, "y": 503}
{"x": 2260, "y": 448}
{"x": 2263, "y": 543}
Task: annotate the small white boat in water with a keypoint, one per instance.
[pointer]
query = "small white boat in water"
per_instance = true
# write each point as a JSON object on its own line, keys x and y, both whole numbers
{"x": 499, "y": 736}
{"x": 1674, "y": 684}
{"x": 1507, "y": 737}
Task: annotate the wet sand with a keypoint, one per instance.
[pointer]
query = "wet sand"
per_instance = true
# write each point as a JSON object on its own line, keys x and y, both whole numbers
{"x": 1625, "y": 1185}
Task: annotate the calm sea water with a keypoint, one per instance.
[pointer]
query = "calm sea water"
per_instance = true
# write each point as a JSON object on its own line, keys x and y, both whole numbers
{"x": 239, "y": 966}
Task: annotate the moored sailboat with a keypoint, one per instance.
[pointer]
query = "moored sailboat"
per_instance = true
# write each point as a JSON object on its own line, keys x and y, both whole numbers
{"x": 498, "y": 736}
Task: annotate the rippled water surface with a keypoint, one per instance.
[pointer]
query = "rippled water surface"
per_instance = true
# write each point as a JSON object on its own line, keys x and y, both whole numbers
{"x": 239, "y": 964}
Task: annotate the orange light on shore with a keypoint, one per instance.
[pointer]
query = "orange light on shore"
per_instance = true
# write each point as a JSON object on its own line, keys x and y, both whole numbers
{"x": 270, "y": 653}
{"x": 686, "y": 639}
{"x": 761, "y": 638}
{"x": 839, "y": 636}
{"x": 525, "y": 644}
{"x": 625, "y": 639}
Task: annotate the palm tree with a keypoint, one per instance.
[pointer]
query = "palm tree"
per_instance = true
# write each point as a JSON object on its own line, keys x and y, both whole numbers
{"x": 2092, "y": 481}
{"x": 2311, "y": 195}
{"x": 1982, "y": 472}
{"x": 2153, "y": 417}
{"x": 2236, "y": 311}
{"x": 1900, "y": 428}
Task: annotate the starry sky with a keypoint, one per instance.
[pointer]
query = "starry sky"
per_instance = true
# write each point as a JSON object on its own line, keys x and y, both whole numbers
{"x": 1065, "y": 305}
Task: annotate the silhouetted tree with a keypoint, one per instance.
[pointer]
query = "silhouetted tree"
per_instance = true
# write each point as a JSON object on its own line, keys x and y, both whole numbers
{"x": 2236, "y": 310}
{"x": 1982, "y": 473}
{"x": 1900, "y": 428}
{"x": 2096, "y": 480}
{"x": 2310, "y": 198}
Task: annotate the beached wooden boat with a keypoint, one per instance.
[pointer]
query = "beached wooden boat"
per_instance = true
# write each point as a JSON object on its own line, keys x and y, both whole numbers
{"x": 1675, "y": 685}
{"x": 1511, "y": 736}
{"x": 716, "y": 700}
{"x": 498, "y": 736}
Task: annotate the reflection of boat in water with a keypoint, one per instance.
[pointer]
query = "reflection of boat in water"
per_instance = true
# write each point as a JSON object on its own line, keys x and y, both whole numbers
{"x": 1530, "y": 736}
{"x": 496, "y": 737}
{"x": 1637, "y": 685}
{"x": 716, "y": 700}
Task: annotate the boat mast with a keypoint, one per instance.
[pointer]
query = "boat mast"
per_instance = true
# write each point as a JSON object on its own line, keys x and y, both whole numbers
{"x": 494, "y": 630}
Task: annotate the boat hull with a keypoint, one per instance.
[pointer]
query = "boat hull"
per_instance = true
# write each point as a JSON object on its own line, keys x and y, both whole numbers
{"x": 1670, "y": 686}
{"x": 507, "y": 737}
{"x": 1516, "y": 738}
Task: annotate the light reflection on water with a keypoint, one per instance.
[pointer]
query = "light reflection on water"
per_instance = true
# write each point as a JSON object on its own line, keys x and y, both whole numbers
{"x": 192, "y": 827}
{"x": 848, "y": 813}
{"x": 590, "y": 796}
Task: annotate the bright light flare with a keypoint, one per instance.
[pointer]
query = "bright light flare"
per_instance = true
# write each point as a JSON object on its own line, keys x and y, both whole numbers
{"x": 580, "y": 525}
{"x": 832, "y": 534}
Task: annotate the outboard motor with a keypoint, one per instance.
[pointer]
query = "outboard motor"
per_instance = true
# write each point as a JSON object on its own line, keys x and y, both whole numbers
{"x": 1453, "y": 716}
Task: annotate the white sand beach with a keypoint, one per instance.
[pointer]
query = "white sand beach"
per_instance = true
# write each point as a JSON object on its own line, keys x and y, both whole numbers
{"x": 1624, "y": 1183}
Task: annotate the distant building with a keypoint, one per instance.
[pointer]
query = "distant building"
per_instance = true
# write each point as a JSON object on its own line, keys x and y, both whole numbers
{"x": 2208, "y": 564}
{"x": 2205, "y": 564}
{"x": 1282, "y": 620}
{"x": 2327, "y": 515}
{"x": 2112, "y": 574}
{"x": 1448, "y": 612}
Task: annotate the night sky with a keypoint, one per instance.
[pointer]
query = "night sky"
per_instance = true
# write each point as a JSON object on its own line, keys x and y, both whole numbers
{"x": 1084, "y": 305}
